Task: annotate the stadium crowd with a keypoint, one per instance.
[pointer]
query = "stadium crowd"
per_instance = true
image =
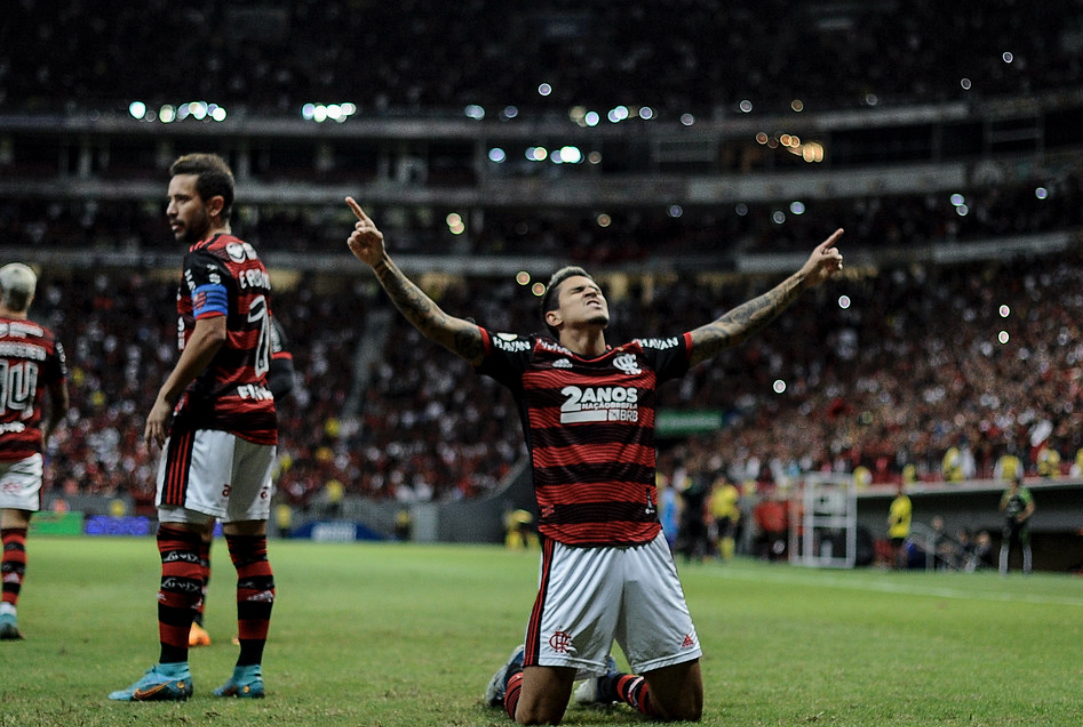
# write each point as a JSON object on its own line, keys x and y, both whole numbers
{"x": 909, "y": 370}
{"x": 897, "y": 223}
{"x": 891, "y": 370}
{"x": 273, "y": 57}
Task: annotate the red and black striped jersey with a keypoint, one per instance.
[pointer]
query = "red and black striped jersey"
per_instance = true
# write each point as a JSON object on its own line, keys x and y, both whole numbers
{"x": 31, "y": 359}
{"x": 589, "y": 426}
{"x": 224, "y": 276}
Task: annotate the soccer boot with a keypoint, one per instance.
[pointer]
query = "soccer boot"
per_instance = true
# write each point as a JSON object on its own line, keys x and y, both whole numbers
{"x": 498, "y": 685}
{"x": 9, "y": 628}
{"x": 587, "y": 692}
{"x": 198, "y": 636}
{"x": 161, "y": 683}
{"x": 246, "y": 683}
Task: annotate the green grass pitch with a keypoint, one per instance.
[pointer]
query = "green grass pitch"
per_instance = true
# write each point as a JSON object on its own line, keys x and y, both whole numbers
{"x": 408, "y": 635}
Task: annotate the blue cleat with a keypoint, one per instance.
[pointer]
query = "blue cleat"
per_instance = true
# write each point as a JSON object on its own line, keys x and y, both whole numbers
{"x": 498, "y": 685}
{"x": 161, "y": 683}
{"x": 9, "y": 628}
{"x": 246, "y": 683}
{"x": 587, "y": 692}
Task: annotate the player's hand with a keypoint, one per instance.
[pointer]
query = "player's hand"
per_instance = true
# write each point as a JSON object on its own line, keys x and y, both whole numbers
{"x": 366, "y": 242}
{"x": 155, "y": 430}
{"x": 825, "y": 261}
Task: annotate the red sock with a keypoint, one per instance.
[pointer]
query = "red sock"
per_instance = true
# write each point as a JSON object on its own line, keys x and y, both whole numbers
{"x": 512, "y": 691}
{"x": 205, "y": 571}
{"x": 634, "y": 691}
{"x": 179, "y": 594}
{"x": 255, "y": 594}
{"x": 13, "y": 566}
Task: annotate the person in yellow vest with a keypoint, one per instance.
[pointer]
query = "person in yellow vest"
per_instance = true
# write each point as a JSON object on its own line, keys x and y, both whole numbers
{"x": 1048, "y": 461}
{"x": 724, "y": 517}
{"x": 335, "y": 491}
{"x": 519, "y": 530}
{"x": 898, "y": 527}
{"x": 952, "y": 466}
{"x": 1008, "y": 466}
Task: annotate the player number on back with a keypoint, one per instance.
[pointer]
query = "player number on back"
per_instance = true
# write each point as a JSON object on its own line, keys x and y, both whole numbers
{"x": 259, "y": 314}
{"x": 18, "y": 382}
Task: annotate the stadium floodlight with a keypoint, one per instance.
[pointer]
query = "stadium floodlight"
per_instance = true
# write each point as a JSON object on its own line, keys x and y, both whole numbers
{"x": 570, "y": 155}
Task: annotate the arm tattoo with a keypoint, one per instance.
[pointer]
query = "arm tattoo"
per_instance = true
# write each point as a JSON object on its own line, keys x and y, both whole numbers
{"x": 455, "y": 334}
{"x": 741, "y": 323}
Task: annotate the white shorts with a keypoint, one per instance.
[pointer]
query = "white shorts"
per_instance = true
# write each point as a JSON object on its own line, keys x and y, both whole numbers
{"x": 20, "y": 484}
{"x": 217, "y": 474}
{"x": 590, "y": 597}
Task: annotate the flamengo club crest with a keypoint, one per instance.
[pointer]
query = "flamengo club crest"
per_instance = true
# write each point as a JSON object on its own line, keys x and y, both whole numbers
{"x": 560, "y": 641}
{"x": 626, "y": 362}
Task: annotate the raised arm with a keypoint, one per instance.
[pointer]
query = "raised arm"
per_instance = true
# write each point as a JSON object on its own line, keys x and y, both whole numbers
{"x": 739, "y": 324}
{"x": 459, "y": 336}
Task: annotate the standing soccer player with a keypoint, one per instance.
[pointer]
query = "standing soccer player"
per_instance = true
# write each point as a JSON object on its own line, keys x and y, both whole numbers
{"x": 588, "y": 415}
{"x": 31, "y": 363}
{"x": 215, "y": 421}
{"x": 280, "y": 384}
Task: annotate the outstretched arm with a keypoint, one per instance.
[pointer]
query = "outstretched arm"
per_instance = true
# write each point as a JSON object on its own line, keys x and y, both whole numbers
{"x": 455, "y": 334}
{"x": 741, "y": 323}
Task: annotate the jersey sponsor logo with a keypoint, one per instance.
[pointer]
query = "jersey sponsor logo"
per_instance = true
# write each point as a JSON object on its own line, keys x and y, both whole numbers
{"x": 21, "y": 330}
{"x": 660, "y": 343}
{"x": 12, "y": 428}
{"x": 180, "y": 556}
{"x": 23, "y": 350}
{"x": 562, "y": 363}
{"x": 553, "y": 346}
{"x": 599, "y": 404}
{"x": 181, "y": 585}
{"x": 511, "y": 343}
{"x": 240, "y": 251}
{"x": 254, "y": 391}
{"x": 627, "y": 363}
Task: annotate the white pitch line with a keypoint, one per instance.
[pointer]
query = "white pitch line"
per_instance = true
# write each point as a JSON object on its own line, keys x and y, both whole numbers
{"x": 789, "y": 575}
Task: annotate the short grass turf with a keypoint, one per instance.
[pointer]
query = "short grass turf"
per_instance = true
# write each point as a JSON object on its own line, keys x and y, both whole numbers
{"x": 408, "y": 635}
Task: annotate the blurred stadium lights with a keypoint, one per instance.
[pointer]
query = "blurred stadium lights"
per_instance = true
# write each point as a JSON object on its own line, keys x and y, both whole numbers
{"x": 167, "y": 114}
{"x": 455, "y": 223}
{"x": 811, "y": 151}
{"x": 319, "y": 112}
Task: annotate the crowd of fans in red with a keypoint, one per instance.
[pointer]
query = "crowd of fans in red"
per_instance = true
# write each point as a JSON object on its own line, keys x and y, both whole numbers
{"x": 884, "y": 369}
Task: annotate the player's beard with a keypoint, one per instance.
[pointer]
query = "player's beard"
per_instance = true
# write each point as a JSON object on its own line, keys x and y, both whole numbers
{"x": 194, "y": 230}
{"x": 601, "y": 320}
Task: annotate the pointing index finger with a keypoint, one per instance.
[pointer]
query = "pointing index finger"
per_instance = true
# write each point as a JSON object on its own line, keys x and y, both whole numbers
{"x": 356, "y": 208}
{"x": 830, "y": 242}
